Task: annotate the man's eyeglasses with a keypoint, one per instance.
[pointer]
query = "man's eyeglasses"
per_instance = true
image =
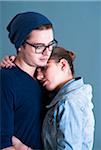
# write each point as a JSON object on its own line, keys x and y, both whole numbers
{"x": 40, "y": 47}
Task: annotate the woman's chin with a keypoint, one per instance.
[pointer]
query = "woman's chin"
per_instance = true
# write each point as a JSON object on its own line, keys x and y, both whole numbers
{"x": 49, "y": 88}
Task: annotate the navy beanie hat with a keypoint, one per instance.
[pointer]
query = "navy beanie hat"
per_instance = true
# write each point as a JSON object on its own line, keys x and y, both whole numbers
{"x": 22, "y": 24}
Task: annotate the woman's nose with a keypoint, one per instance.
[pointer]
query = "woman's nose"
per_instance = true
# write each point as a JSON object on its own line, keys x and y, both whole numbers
{"x": 40, "y": 74}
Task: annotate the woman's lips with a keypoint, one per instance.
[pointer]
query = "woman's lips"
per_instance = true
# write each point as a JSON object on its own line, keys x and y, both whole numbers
{"x": 44, "y": 82}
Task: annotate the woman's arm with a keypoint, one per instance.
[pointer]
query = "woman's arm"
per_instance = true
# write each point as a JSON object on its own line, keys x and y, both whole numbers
{"x": 18, "y": 144}
{"x": 9, "y": 148}
{"x": 7, "y": 61}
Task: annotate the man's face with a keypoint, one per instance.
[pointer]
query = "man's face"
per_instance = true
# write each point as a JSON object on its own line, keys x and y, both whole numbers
{"x": 29, "y": 55}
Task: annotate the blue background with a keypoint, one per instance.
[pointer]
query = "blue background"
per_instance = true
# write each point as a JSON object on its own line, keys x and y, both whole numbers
{"x": 77, "y": 27}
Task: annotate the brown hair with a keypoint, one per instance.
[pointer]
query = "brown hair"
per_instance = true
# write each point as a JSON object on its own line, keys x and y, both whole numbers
{"x": 60, "y": 53}
{"x": 43, "y": 27}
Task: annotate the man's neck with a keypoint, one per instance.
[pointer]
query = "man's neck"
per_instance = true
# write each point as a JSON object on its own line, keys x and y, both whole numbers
{"x": 25, "y": 67}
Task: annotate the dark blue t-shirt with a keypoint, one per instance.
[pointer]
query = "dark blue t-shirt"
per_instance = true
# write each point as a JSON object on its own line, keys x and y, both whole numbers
{"x": 20, "y": 108}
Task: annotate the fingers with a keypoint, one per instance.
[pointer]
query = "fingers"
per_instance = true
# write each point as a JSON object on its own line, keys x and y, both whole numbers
{"x": 18, "y": 144}
{"x": 40, "y": 74}
{"x": 15, "y": 140}
{"x": 7, "y": 62}
{"x": 12, "y": 58}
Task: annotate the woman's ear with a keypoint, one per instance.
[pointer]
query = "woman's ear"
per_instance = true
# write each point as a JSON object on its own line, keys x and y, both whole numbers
{"x": 63, "y": 64}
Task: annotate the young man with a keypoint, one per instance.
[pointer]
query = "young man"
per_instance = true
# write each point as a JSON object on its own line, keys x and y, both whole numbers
{"x": 32, "y": 35}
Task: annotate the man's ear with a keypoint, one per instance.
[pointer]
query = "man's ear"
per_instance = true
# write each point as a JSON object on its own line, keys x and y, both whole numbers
{"x": 19, "y": 49}
{"x": 63, "y": 63}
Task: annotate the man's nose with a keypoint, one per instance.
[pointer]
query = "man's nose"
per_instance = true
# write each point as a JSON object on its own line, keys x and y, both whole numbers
{"x": 46, "y": 52}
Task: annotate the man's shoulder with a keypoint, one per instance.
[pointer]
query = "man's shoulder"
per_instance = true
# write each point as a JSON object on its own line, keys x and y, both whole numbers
{"x": 7, "y": 69}
{"x": 7, "y": 73}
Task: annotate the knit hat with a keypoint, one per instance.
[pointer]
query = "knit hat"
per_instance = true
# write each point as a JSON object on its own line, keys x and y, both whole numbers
{"x": 22, "y": 24}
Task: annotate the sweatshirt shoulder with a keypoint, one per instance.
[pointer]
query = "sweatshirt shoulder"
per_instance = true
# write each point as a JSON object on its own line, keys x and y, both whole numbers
{"x": 7, "y": 73}
{"x": 8, "y": 70}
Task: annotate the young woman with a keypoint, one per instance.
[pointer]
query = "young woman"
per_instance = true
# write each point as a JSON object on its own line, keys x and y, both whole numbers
{"x": 69, "y": 122}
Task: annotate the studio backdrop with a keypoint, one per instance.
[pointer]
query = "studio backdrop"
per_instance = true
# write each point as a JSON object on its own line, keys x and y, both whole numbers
{"x": 77, "y": 27}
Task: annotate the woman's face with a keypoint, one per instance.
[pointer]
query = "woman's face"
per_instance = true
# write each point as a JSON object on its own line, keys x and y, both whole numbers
{"x": 50, "y": 75}
{"x": 55, "y": 74}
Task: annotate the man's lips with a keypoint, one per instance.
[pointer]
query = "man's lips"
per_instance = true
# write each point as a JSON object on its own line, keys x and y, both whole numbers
{"x": 44, "y": 59}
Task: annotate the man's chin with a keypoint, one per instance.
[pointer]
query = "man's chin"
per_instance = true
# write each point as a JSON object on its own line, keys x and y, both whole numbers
{"x": 43, "y": 64}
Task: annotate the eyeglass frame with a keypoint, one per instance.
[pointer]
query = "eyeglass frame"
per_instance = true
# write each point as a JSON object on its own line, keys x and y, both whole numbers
{"x": 42, "y": 44}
